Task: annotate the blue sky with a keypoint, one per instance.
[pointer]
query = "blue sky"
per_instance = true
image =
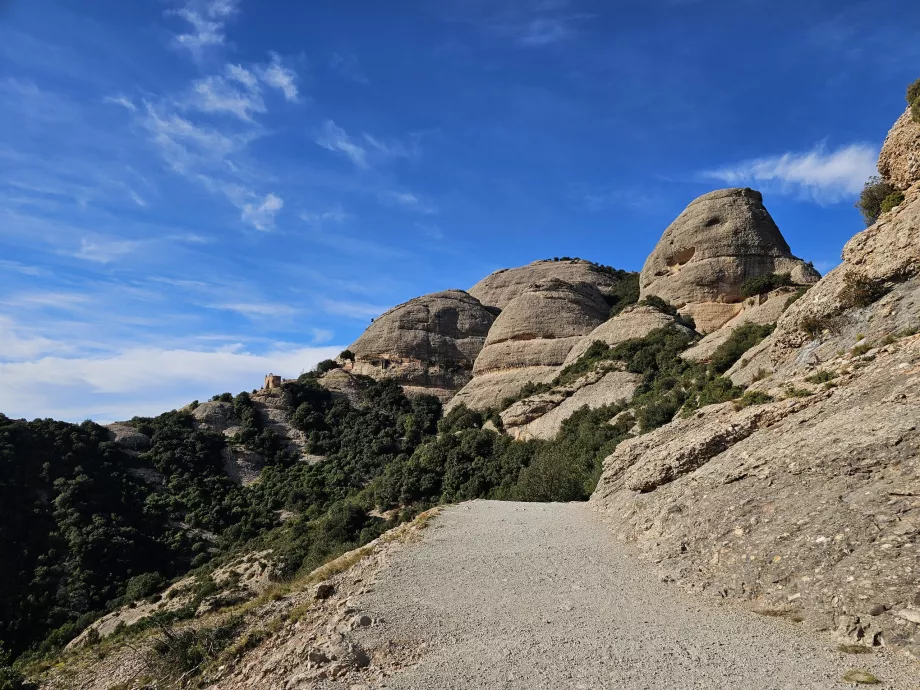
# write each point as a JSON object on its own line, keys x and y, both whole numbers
{"x": 195, "y": 192}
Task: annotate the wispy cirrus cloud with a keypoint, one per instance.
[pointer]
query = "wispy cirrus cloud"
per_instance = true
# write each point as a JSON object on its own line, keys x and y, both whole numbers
{"x": 206, "y": 21}
{"x": 106, "y": 251}
{"x": 261, "y": 215}
{"x": 365, "y": 151}
{"x": 276, "y": 75}
{"x": 821, "y": 175}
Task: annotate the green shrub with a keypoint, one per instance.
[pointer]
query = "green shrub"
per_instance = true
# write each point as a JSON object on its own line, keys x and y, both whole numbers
{"x": 624, "y": 293}
{"x": 223, "y": 397}
{"x": 913, "y": 99}
{"x": 660, "y": 304}
{"x": 753, "y": 398}
{"x": 326, "y": 365}
{"x": 142, "y": 586}
{"x": 794, "y": 297}
{"x": 822, "y": 376}
{"x": 874, "y": 193}
{"x": 860, "y": 291}
{"x": 891, "y": 201}
{"x": 761, "y": 285}
{"x": 813, "y": 326}
{"x": 740, "y": 341}
{"x": 347, "y": 355}
{"x": 793, "y": 392}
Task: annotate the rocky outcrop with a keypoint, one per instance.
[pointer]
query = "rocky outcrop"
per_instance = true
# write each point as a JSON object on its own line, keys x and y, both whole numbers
{"x": 899, "y": 161}
{"x": 873, "y": 295}
{"x": 636, "y": 321}
{"x": 703, "y": 258}
{"x": 129, "y": 438}
{"x": 428, "y": 344}
{"x": 761, "y": 310}
{"x": 806, "y": 507}
{"x": 531, "y": 338}
{"x": 500, "y": 288}
{"x": 541, "y": 416}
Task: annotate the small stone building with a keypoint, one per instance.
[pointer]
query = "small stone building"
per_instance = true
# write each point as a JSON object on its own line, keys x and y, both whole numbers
{"x": 272, "y": 381}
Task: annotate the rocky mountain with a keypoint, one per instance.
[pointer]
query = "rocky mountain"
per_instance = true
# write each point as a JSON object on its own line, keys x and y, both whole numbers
{"x": 722, "y": 239}
{"x": 745, "y": 427}
{"x": 428, "y": 344}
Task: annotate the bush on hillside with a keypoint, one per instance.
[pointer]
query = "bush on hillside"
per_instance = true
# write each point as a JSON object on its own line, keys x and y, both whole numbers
{"x": 860, "y": 291}
{"x": 761, "y": 285}
{"x": 740, "y": 341}
{"x": 913, "y": 99}
{"x": 892, "y": 201}
{"x": 347, "y": 355}
{"x": 873, "y": 195}
{"x": 326, "y": 365}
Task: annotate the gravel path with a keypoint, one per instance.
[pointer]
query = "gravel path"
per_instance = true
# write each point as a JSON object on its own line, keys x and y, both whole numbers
{"x": 538, "y": 595}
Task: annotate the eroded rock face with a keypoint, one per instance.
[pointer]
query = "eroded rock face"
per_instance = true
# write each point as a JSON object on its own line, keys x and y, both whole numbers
{"x": 499, "y": 288}
{"x": 541, "y": 416}
{"x": 807, "y": 504}
{"x": 636, "y": 321}
{"x": 428, "y": 344}
{"x": 899, "y": 161}
{"x": 128, "y": 437}
{"x": 719, "y": 241}
{"x": 885, "y": 257}
{"x": 531, "y": 338}
{"x": 761, "y": 310}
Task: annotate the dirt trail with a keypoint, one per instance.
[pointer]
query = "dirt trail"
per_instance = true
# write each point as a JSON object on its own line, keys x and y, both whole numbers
{"x": 529, "y": 595}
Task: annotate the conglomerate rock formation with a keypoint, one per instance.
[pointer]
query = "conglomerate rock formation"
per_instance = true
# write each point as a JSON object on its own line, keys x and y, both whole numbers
{"x": 428, "y": 344}
{"x": 499, "y": 288}
{"x": 805, "y": 503}
{"x": 703, "y": 258}
{"x": 531, "y": 338}
{"x": 899, "y": 161}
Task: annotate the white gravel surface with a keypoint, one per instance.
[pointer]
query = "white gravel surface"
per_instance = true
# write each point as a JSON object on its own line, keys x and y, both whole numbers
{"x": 539, "y": 595}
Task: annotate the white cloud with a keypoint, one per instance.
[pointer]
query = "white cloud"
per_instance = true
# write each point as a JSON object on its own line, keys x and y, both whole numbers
{"x": 259, "y": 310}
{"x": 123, "y": 101}
{"x": 207, "y": 20}
{"x": 356, "y": 310}
{"x": 215, "y": 95}
{"x": 820, "y": 175}
{"x": 408, "y": 200}
{"x": 544, "y": 31}
{"x": 262, "y": 215}
{"x": 336, "y": 214}
{"x": 334, "y": 138}
{"x": 347, "y": 66}
{"x": 366, "y": 151}
{"x": 140, "y": 380}
{"x": 243, "y": 76}
{"x": 105, "y": 251}
{"x": 280, "y": 77}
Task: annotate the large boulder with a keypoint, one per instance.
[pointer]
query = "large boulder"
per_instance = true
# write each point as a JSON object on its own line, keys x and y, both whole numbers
{"x": 899, "y": 161}
{"x": 703, "y": 258}
{"x": 499, "y": 288}
{"x": 427, "y": 344}
{"x": 531, "y": 338}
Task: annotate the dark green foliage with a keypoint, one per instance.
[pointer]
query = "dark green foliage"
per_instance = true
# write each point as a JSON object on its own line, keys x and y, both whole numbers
{"x": 11, "y": 678}
{"x": 530, "y": 388}
{"x": 860, "y": 291}
{"x": 326, "y": 365}
{"x": 76, "y": 526}
{"x": 142, "y": 586}
{"x": 460, "y": 418}
{"x": 891, "y": 201}
{"x": 874, "y": 193}
{"x": 753, "y": 398}
{"x": 740, "y": 341}
{"x": 223, "y": 397}
{"x": 183, "y": 654}
{"x": 822, "y": 376}
{"x": 913, "y": 99}
{"x": 625, "y": 293}
{"x": 347, "y": 355}
{"x": 761, "y": 285}
{"x": 665, "y": 307}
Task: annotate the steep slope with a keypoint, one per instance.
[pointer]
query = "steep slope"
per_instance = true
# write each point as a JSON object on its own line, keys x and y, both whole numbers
{"x": 720, "y": 240}
{"x": 531, "y": 338}
{"x": 806, "y": 500}
{"x": 427, "y": 344}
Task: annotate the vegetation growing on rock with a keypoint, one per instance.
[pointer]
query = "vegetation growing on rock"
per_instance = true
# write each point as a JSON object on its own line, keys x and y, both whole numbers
{"x": 761, "y": 285}
{"x": 875, "y": 193}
